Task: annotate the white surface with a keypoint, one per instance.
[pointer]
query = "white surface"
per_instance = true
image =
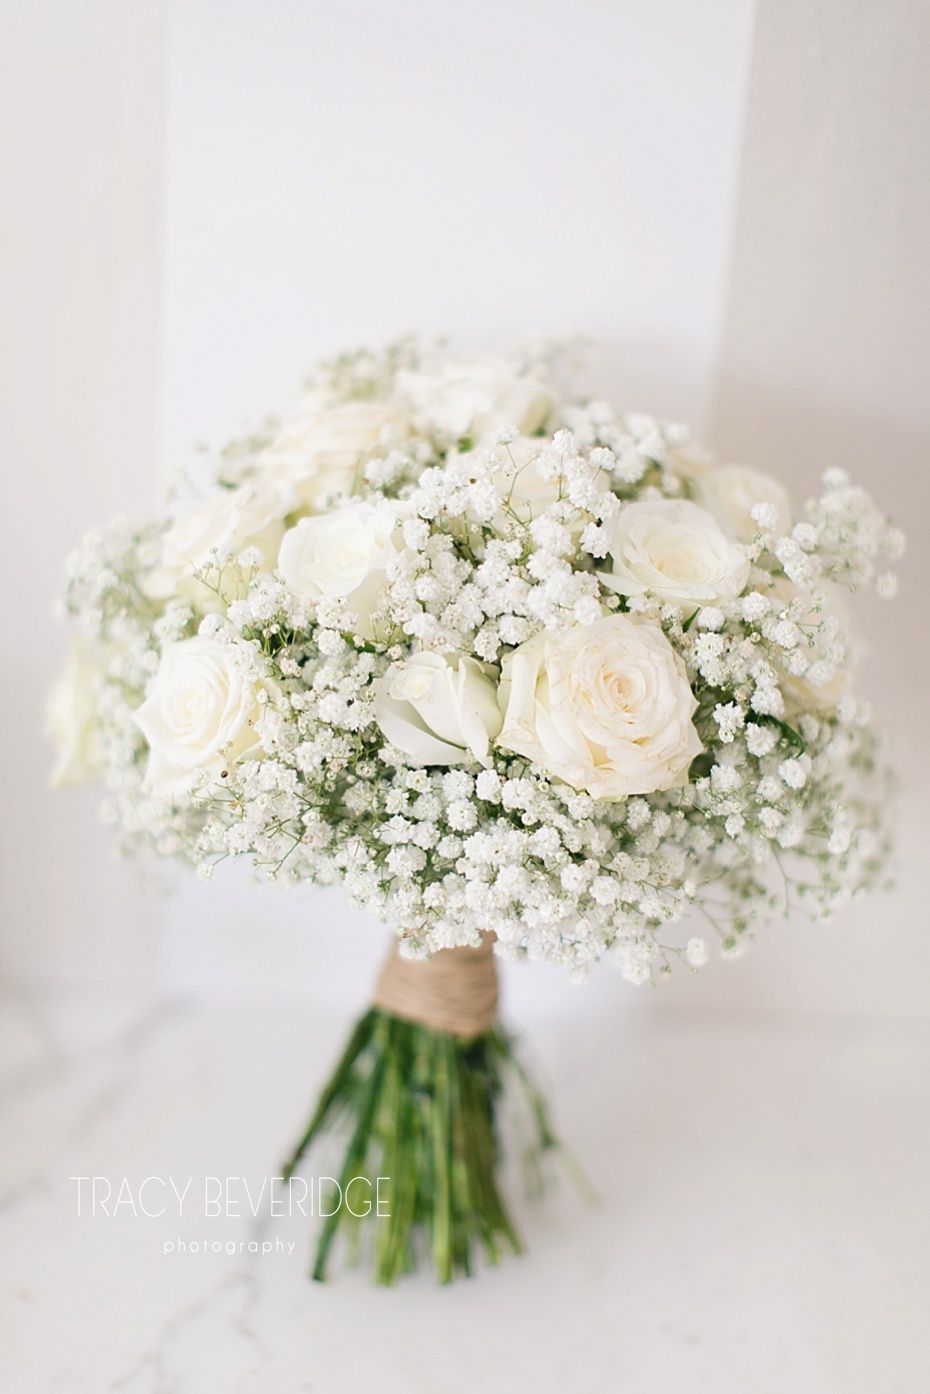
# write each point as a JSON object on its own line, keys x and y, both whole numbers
{"x": 762, "y": 1230}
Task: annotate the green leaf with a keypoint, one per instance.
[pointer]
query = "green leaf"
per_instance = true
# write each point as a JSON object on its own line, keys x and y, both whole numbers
{"x": 701, "y": 766}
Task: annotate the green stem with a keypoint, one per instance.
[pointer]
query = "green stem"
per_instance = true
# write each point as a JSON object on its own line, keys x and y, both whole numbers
{"x": 334, "y": 1089}
{"x": 422, "y": 1110}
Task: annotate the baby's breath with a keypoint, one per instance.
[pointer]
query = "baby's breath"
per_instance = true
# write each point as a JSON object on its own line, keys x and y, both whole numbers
{"x": 781, "y": 806}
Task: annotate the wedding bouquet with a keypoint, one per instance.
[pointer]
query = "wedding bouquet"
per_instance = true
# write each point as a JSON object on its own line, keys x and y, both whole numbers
{"x": 521, "y": 674}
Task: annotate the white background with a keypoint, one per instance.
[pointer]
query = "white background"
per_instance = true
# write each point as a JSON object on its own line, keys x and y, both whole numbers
{"x": 200, "y": 196}
{"x": 211, "y": 194}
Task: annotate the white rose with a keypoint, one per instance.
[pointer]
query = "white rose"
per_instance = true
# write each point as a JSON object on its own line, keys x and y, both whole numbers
{"x": 675, "y": 551}
{"x": 731, "y": 492}
{"x": 71, "y": 719}
{"x": 475, "y": 397}
{"x": 342, "y": 555}
{"x": 200, "y": 714}
{"x": 321, "y": 455}
{"x": 439, "y": 710}
{"x": 605, "y": 707}
{"x": 691, "y": 460}
{"x": 219, "y": 526}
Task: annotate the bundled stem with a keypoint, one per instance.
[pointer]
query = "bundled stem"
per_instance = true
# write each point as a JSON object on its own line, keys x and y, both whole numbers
{"x": 421, "y": 1107}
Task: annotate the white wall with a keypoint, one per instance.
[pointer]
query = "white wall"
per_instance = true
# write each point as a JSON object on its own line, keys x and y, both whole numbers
{"x": 257, "y": 184}
{"x": 338, "y": 174}
{"x": 81, "y": 113}
{"x": 824, "y": 360}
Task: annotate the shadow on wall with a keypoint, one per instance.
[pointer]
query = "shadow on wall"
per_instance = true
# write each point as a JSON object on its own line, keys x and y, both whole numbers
{"x": 781, "y": 430}
{"x": 669, "y": 381}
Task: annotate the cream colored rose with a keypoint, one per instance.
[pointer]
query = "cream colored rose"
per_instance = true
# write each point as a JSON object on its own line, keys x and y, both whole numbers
{"x": 200, "y": 714}
{"x": 437, "y": 709}
{"x": 221, "y": 525}
{"x": 731, "y": 492}
{"x": 691, "y": 460}
{"x": 71, "y": 719}
{"x": 605, "y": 707}
{"x": 675, "y": 551}
{"x": 475, "y": 397}
{"x": 802, "y": 694}
{"x": 820, "y": 688}
{"x": 342, "y": 555}
{"x": 322, "y": 455}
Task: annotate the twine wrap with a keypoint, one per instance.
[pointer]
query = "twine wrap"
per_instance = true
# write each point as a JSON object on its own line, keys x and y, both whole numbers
{"x": 454, "y": 991}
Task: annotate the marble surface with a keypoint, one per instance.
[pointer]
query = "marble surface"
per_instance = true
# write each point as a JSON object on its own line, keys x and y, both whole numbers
{"x": 763, "y": 1223}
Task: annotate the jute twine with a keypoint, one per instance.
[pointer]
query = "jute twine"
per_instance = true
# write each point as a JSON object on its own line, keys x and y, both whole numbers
{"x": 455, "y": 990}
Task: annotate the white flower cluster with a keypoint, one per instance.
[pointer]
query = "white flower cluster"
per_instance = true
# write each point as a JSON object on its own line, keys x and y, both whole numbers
{"x": 489, "y": 659}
